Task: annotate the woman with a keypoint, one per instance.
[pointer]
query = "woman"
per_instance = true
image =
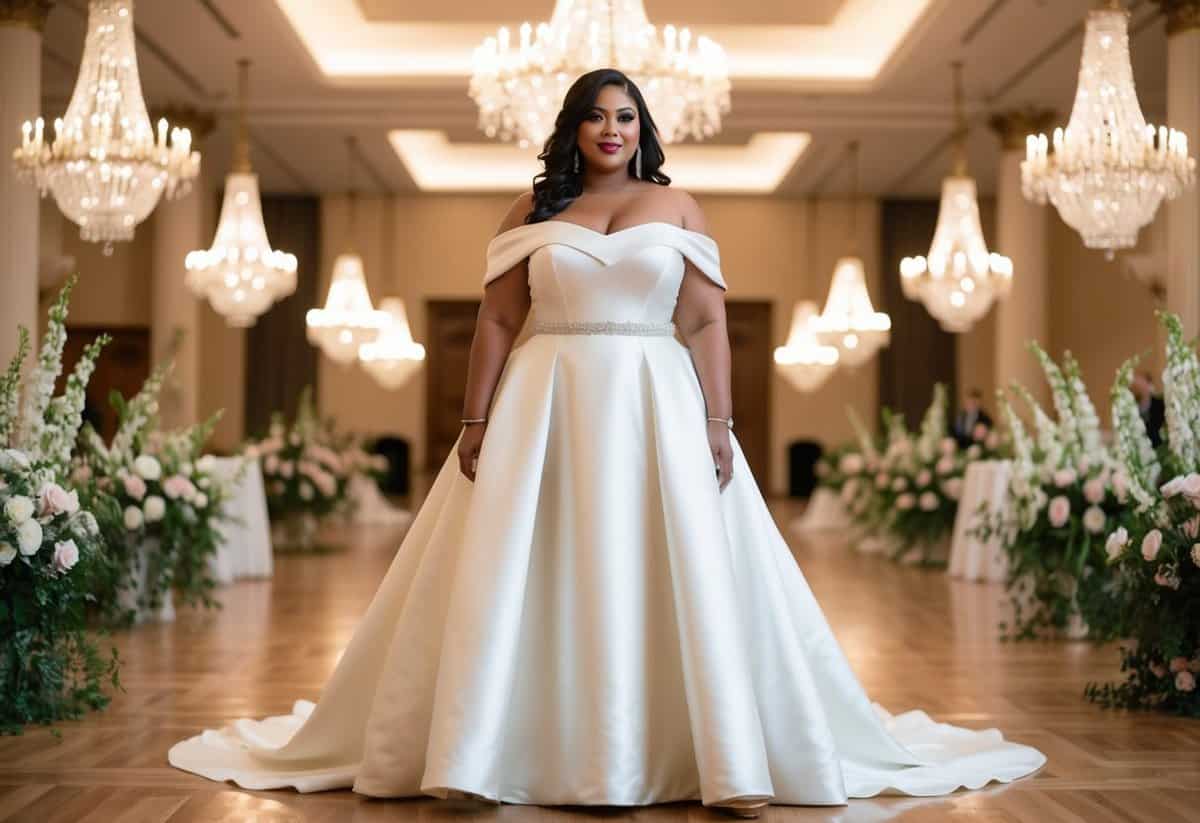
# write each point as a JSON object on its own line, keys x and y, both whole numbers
{"x": 581, "y": 612}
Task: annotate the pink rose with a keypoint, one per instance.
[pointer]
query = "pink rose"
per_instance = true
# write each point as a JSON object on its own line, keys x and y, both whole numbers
{"x": 1185, "y": 681}
{"x": 924, "y": 478}
{"x": 1064, "y": 478}
{"x": 1060, "y": 511}
{"x": 1093, "y": 490}
{"x": 134, "y": 485}
{"x": 1151, "y": 543}
{"x": 177, "y": 486}
{"x": 56, "y": 500}
{"x": 1190, "y": 487}
{"x": 1178, "y": 664}
{"x": 1191, "y": 528}
{"x": 905, "y": 502}
{"x": 66, "y": 555}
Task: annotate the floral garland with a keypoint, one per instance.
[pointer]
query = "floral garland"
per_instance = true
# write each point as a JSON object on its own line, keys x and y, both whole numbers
{"x": 50, "y": 667}
{"x": 1155, "y": 557}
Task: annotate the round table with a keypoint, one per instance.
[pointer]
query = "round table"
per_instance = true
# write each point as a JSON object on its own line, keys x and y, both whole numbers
{"x": 971, "y": 558}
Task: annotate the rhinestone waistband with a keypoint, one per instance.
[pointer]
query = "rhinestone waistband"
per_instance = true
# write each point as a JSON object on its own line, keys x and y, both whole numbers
{"x": 604, "y": 327}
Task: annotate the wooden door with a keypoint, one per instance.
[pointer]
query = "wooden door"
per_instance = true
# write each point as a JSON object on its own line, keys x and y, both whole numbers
{"x": 450, "y": 328}
{"x": 123, "y": 365}
{"x": 749, "y": 323}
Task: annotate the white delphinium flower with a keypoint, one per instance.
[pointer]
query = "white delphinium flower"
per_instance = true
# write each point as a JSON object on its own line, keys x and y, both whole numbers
{"x": 65, "y": 415}
{"x": 10, "y": 388}
{"x": 39, "y": 388}
{"x": 1139, "y": 469}
{"x": 138, "y": 414}
{"x": 1087, "y": 422}
{"x": 933, "y": 426}
{"x": 1181, "y": 395}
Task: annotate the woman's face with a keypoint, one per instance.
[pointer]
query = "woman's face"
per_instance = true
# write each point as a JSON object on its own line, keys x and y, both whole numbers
{"x": 609, "y": 133}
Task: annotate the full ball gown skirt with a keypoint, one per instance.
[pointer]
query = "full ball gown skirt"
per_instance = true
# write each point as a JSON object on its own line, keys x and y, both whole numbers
{"x": 592, "y": 621}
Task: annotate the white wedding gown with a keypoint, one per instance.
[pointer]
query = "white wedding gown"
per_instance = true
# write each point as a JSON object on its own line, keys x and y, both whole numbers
{"x": 593, "y": 621}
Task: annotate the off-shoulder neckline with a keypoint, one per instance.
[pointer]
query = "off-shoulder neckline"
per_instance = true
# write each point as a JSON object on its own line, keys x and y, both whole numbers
{"x": 592, "y": 231}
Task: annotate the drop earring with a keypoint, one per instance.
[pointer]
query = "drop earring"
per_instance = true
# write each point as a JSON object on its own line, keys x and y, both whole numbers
{"x": 575, "y": 168}
{"x": 637, "y": 163}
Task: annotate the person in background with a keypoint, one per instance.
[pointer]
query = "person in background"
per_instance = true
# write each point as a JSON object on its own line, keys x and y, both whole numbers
{"x": 972, "y": 423}
{"x": 1150, "y": 405}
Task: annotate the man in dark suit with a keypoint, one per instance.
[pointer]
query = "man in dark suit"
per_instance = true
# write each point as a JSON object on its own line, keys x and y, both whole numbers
{"x": 972, "y": 423}
{"x": 1150, "y": 406}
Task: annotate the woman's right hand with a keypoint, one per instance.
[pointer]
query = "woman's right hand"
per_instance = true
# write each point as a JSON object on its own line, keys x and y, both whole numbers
{"x": 468, "y": 448}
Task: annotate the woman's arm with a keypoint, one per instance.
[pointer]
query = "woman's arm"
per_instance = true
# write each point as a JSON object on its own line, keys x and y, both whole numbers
{"x": 501, "y": 316}
{"x": 700, "y": 318}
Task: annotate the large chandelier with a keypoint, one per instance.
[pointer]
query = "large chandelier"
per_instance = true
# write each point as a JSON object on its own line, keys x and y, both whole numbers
{"x": 803, "y": 360}
{"x": 849, "y": 322}
{"x": 106, "y": 166}
{"x": 520, "y": 87}
{"x": 347, "y": 320}
{"x": 241, "y": 275}
{"x": 393, "y": 357}
{"x": 959, "y": 279}
{"x": 1109, "y": 170}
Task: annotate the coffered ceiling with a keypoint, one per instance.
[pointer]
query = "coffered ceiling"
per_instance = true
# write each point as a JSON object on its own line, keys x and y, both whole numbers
{"x": 394, "y": 73}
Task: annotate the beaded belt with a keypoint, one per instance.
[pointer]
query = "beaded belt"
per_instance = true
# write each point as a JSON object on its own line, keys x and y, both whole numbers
{"x": 604, "y": 327}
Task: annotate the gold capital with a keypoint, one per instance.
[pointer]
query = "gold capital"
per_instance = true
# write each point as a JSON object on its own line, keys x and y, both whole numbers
{"x": 1014, "y": 125}
{"x": 1182, "y": 15}
{"x": 25, "y": 13}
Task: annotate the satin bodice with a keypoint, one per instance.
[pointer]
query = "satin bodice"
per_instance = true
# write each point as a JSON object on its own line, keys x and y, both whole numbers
{"x": 579, "y": 275}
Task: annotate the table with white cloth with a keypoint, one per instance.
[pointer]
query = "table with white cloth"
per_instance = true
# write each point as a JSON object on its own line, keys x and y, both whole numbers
{"x": 245, "y": 546}
{"x": 972, "y": 558}
{"x": 825, "y": 512}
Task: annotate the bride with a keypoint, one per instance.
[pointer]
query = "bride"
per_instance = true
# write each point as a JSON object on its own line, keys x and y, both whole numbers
{"x": 593, "y": 604}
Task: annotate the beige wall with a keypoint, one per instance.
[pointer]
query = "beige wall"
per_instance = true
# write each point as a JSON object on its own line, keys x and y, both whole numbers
{"x": 433, "y": 247}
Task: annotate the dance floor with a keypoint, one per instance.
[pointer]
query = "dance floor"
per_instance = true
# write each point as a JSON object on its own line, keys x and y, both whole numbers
{"x": 915, "y": 638}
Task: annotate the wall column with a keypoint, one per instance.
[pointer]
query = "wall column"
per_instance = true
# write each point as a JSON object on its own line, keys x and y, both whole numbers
{"x": 1183, "y": 113}
{"x": 178, "y": 227}
{"x": 1021, "y": 234}
{"x": 21, "y": 23}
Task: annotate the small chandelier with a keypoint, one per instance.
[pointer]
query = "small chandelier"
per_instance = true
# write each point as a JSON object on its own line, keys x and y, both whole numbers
{"x": 519, "y": 88}
{"x": 241, "y": 275}
{"x": 393, "y": 357}
{"x": 347, "y": 320}
{"x": 1109, "y": 170}
{"x": 804, "y": 361}
{"x": 959, "y": 279}
{"x": 106, "y": 167}
{"x": 849, "y": 322}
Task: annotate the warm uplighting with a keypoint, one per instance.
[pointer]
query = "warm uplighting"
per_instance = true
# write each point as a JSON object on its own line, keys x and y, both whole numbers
{"x": 959, "y": 279}
{"x": 241, "y": 275}
{"x": 106, "y": 166}
{"x": 755, "y": 167}
{"x": 804, "y": 361}
{"x": 1109, "y": 169}
{"x": 393, "y": 357}
{"x": 849, "y": 321}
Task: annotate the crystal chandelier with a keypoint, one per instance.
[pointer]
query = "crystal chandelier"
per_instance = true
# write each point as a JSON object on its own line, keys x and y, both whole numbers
{"x": 393, "y": 357}
{"x": 520, "y": 87}
{"x": 241, "y": 275}
{"x": 804, "y": 361}
{"x": 849, "y": 322}
{"x": 959, "y": 279}
{"x": 347, "y": 320}
{"x": 106, "y": 167}
{"x": 1109, "y": 170}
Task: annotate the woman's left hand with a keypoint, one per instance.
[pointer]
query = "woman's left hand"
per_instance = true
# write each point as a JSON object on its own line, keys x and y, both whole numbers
{"x": 722, "y": 452}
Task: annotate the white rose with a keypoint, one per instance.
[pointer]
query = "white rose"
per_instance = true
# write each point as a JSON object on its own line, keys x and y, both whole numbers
{"x": 148, "y": 467}
{"x": 1094, "y": 519}
{"x": 929, "y": 502}
{"x": 186, "y": 469}
{"x": 133, "y": 518}
{"x": 18, "y": 509}
{"x": 66, "y": 555}
{"x": 29, "y": 537}
{"x": 155, "y": 508}
{"x": 899, "y": 484}
{"x": 200, "y": 501}
{"x": 953, "y": 488}
{"x": 945, "y": 465}
{"x": 1116, "y": 543}
{"x": 7, "y": 554}
{"x": 905, "y": 502}
{"x": 206, "y": 464}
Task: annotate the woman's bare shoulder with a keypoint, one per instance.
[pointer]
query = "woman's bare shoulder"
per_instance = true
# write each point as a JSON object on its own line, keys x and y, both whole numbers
{"x": 690, "y": 211}
{"x": 517, "y": 212}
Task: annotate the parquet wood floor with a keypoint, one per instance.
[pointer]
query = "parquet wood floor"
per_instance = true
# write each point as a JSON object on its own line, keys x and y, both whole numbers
{"x": 915, "y": 639}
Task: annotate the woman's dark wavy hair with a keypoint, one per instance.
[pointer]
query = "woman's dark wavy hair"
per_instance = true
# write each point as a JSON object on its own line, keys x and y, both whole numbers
{"x": 558, "y": 184}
